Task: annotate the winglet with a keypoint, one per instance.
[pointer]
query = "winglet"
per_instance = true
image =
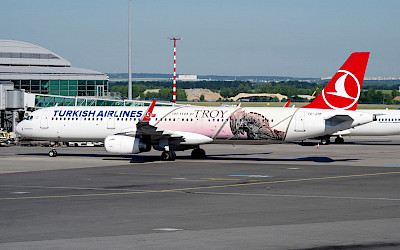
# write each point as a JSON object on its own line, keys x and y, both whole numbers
{"x": 287, "y": 104}
{"x": 343, "y": 90}
{"x": 149, "y": 111}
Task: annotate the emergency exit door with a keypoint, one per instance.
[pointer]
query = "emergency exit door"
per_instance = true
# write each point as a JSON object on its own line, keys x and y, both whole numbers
{"x": 44, "y": 120}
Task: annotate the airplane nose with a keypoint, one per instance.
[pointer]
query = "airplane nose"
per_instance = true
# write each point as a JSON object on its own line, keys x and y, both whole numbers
{"x": 19, "y": 129}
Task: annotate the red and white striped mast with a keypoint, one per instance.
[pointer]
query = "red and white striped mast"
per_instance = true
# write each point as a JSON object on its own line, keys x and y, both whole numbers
{"x": 174, "y": 81}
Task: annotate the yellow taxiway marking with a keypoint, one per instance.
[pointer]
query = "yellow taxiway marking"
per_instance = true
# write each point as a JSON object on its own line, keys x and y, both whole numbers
{"x": 199, "y": 188}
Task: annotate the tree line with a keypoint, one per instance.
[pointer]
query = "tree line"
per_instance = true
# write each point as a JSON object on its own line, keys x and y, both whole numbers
{"x": 371, "y": 93}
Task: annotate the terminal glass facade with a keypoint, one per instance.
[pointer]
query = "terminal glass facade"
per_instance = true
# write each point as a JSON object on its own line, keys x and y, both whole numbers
{"x": 63, "y": 87}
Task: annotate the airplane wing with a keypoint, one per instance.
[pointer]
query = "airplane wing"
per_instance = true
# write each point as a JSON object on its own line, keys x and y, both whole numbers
{"x": 144, "y": 128}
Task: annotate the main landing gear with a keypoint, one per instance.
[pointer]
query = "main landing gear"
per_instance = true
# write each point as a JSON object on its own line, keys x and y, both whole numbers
{"x": 198, "y": 153}
{"x": 325, "y": 140}
{"x": 168, "y": 156}
{"x": 339, "y": 140}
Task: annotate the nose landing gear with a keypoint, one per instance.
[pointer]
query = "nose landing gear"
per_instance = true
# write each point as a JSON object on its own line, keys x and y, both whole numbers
{"x": 53, "y": 153}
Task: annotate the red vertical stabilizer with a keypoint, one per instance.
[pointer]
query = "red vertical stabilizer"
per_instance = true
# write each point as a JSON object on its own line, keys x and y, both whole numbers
{"x": 343, "y": 90}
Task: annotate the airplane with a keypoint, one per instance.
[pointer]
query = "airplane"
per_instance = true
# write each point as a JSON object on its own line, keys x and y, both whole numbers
{"x": 387, "y": 123}
{"x": 132, "y": 130}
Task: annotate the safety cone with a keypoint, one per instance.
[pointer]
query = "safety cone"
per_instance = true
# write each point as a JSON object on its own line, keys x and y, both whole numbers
{"x": 318, "y": 145}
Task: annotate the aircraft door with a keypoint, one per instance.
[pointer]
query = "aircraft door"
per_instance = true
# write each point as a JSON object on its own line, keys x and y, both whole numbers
{"x": 111, "y": 122}
{"x": 300, "y": 117}
{"x": 44, "y": 120}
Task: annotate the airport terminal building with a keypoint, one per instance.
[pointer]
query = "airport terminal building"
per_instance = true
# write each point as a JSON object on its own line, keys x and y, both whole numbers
{"x": 38, "y": 70}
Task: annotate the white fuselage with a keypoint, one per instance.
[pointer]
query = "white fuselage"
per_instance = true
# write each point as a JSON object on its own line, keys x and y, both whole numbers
{"x": 387, "y": 123}
{"x": 269, "y": 125}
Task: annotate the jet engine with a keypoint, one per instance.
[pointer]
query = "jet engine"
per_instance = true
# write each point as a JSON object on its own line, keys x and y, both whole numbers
{"x": 122, "y": 144}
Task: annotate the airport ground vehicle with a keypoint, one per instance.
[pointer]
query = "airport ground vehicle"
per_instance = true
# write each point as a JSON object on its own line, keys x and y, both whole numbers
{"x": 6, "y": 139}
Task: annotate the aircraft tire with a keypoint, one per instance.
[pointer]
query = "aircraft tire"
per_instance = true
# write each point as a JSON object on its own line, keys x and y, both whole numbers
{"x": 52, "y": 153}
{"x": 198, "y": 153}
{"x": 168, "y": 156}
{"x": 325, "y": 141}
{"x": 339, "y": 140}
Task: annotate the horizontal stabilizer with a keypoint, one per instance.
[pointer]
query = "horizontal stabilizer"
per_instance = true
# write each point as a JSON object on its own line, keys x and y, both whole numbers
{"x": 336, "y": 119}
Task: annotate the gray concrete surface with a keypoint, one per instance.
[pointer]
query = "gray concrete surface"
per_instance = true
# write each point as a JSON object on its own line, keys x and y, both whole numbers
{"x": 242, "y": 197}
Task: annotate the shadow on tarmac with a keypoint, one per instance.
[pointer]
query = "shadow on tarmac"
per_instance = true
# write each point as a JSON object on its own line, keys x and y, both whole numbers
{"x": 374, "y": 142}
{"x": 149, "y": 158}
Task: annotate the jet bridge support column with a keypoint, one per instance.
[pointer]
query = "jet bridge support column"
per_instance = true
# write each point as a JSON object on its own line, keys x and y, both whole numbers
{"x": 2, "y": 119}
{"x": 14, "y": 120}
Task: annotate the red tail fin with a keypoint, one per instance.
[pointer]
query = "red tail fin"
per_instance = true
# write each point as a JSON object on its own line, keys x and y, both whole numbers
{"x": 149, "y": 112}
{"x": 287, "y": 104}
{"x": 343, "y": 90}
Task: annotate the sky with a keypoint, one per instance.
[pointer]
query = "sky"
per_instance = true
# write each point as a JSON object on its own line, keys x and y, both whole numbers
{"x": 299, "y": 38}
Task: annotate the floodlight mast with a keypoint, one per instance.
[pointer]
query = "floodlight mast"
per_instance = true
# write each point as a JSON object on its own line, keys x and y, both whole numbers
{"x": 130, "y": 54}
{"x": 174, "y": 81}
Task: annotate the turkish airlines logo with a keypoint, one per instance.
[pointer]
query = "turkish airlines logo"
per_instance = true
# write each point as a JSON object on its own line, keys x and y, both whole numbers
{"x": 344, "y": 93}
{"x": 148, "y": 115}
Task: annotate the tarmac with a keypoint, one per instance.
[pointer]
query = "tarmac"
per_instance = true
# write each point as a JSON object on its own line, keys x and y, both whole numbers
{"x": 284, "y": 196}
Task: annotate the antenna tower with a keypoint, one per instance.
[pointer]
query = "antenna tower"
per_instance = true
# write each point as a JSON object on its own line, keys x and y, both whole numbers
{"x": 174, "y": 81}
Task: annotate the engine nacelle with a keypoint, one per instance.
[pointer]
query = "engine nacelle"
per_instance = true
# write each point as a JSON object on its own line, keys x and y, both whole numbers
{"x": 122, "y": 144}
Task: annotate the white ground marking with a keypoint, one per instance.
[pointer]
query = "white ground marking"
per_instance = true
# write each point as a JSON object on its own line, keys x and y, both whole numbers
{"x": 305, "y": 196}
{"x": 167, "y": 229}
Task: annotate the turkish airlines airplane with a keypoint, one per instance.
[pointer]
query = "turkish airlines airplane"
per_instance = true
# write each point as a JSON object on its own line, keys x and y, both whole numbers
{"x": 132, "y": 130}
{"x": 387, "y": 123}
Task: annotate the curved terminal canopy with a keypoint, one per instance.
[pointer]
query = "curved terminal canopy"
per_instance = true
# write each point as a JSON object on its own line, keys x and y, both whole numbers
{"x": 17, "y": 53}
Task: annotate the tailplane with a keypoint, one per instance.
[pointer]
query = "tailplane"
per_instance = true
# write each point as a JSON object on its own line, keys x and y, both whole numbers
{"x": 343, "y": 90}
